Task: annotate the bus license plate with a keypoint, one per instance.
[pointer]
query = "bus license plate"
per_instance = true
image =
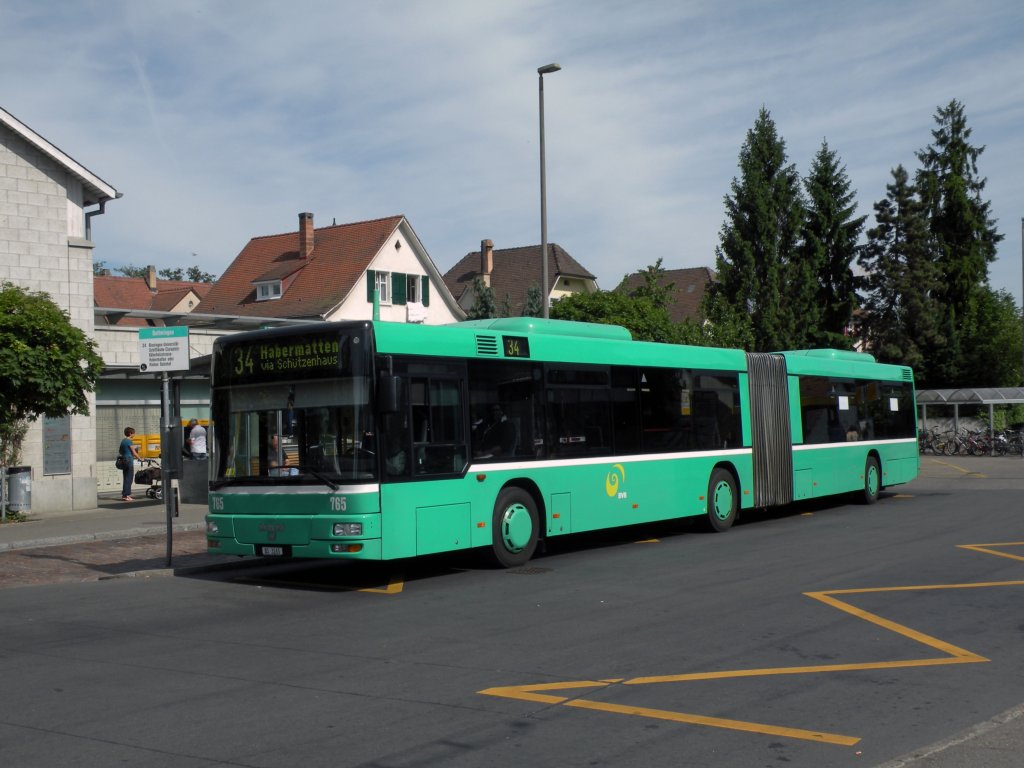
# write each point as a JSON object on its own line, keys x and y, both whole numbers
{"x": 271, "y": 551}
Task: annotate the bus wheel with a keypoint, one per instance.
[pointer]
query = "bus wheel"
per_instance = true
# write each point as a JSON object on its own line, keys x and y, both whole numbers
{"x": 723, "y": 500}
{"x": 872, "y": 480}
{"x": 515, "y": 528}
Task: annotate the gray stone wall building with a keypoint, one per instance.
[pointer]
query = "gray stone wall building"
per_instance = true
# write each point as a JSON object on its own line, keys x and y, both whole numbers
{"x": 47, "y": 203}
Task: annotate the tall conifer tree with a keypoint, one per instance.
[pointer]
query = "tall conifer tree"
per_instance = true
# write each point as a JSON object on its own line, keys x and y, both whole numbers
{"x": 899, "y": 312}
{"x": 964, "y": 231}
{"x": 830, "y": 237}
{"x": 758, "y": 241}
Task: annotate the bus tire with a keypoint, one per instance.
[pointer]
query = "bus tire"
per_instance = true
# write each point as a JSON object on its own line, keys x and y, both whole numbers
{"x": 723, "y": 500}
{"x": 515, "y": 528}
{"x": 872, "y": 480}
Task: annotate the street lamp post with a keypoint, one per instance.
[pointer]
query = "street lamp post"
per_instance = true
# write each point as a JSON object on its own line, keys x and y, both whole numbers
{"x": 547, "y": 69}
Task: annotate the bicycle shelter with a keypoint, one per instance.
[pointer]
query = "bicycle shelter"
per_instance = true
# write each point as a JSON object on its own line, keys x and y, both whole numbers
{"x": 990, "y": 396}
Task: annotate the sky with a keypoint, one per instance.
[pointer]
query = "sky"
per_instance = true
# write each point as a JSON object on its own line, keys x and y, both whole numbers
{"x": 220, "y": 121}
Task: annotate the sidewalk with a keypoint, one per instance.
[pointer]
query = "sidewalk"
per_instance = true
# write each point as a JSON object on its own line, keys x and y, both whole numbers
{"x": 111, "y": 519}
{"x": 116, "y": 538}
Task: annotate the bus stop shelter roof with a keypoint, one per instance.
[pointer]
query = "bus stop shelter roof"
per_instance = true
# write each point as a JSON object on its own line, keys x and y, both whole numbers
{"x": 971, "y": 396}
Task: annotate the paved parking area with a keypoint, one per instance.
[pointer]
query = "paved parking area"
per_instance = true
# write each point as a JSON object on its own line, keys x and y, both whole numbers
{"x": 95, "y": 560}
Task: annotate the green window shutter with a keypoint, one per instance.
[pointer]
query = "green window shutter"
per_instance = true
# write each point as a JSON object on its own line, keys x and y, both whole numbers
{"x": 425, "y": 290}
{"x": 398, "y": 288}
{"x": 371, "y": 283}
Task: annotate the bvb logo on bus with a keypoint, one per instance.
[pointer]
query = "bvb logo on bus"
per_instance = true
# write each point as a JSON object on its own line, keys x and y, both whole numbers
{"x": 612, "y": 481}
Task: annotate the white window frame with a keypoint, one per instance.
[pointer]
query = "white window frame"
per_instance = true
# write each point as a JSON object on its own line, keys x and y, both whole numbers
{"x": 268, "y": 291}
{"x": 382, "y": 281}
{"x": 412, "y": 289}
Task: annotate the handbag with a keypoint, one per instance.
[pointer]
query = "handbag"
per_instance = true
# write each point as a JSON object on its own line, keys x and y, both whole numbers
{"x": 121, "y": 463}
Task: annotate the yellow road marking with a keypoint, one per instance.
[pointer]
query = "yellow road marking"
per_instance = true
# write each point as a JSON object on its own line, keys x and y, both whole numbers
{"x": 958, "y": 468}
{"x": 952, "y": 655}
{"x": 985, "y": 548}
{"x": 529, "y": 692}
{"x": 395, "y": 585}
{"x": 717, "y": 722}
{"x": 647, "y": 541}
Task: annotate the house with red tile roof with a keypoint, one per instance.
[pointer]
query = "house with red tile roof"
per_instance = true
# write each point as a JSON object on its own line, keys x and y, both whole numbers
{"x": 332, "y": 272}
{"x": 688, "y": 289}
{"x": 145, "y": 294}
{"x": 510, "y": 272}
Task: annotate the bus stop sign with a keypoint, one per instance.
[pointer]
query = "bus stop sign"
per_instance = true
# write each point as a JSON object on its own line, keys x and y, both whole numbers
{"x": 163, "y": 349}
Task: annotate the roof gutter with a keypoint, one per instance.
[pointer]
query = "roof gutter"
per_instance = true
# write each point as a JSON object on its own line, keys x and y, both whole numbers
{"x": 98, "y": 212}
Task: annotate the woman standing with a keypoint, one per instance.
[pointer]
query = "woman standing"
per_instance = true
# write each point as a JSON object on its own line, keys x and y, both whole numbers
{"x": 129, "y": 452}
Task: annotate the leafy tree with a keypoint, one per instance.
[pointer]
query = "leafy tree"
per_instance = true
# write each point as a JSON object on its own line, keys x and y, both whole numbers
{"x": 965, "y": 234}
{"x": 659, "y": 293}
{"x": 196, "y": 275}
{"x": 993, "y": 353}
{"x": 47, "y": 365}
{"x": 483, "y": 306}
{"x": 193, "y": 274}
{"x": 899, "y": 316}
{"x": 130, "y": 270}
{"x": 644, "y": 320}
{"x": 758, "y": 242}
{"x": 830, "y": 236}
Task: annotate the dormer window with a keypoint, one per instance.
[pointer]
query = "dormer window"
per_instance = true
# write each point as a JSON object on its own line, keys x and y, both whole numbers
{"x": 271, "y": 289}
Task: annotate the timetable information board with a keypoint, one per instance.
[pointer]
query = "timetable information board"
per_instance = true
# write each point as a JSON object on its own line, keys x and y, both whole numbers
{"x": 163, "y": 349}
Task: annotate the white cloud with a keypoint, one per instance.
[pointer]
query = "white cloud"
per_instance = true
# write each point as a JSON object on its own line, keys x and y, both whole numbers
{"x": 222, "y": 121}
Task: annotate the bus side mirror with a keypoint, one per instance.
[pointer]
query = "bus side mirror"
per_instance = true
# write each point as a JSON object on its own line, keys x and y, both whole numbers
{"x": 387, "y": 393}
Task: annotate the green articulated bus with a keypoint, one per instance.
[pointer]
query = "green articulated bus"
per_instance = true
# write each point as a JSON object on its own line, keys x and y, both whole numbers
{"x": 374, "y": 440}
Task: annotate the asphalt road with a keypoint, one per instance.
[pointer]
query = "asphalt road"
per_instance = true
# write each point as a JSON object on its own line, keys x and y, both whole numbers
{"x": 821, "y": 635}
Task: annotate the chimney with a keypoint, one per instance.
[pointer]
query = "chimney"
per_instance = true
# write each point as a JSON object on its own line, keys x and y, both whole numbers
{"x": 151, "y": 278}
{"x": 486, "y": 260}
{"x": 305, "y": 235}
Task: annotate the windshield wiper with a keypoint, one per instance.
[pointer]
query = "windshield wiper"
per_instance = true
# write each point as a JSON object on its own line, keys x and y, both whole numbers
{"x": 320, "y": 476}
{"x": 260, "y": 480}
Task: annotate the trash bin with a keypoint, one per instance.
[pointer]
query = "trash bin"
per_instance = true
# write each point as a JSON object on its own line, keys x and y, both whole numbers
{"x": 19, "y": 489}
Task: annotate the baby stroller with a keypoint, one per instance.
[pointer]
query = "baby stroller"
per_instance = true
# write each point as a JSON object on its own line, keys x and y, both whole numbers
{"x": 149, "y": 474}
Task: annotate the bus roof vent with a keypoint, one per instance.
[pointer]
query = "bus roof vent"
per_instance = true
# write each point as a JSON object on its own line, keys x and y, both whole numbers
{"x": 834, "y": 354}
{"x": 486, "y": 345}
{"x": 908, "y": 375}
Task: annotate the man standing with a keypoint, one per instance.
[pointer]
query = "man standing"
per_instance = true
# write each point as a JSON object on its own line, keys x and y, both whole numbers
{"x": 197, "y": 439}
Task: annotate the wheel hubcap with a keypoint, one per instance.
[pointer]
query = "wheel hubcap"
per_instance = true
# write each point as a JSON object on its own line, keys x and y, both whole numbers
{"x": 516, "y": 528}
{"x": 872, "y": 481}
{"x": 722, "y": 501}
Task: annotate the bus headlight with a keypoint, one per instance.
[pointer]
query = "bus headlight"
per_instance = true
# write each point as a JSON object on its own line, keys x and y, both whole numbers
{"x": 212, "y": 527}
{"x": 348, "y": 529}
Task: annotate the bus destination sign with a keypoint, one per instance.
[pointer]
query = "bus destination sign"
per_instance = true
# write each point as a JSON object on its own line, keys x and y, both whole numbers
{"x": 285, "y": 358}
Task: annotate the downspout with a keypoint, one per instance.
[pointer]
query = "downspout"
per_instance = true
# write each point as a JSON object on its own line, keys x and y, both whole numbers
{"x": 98, "y": 212}
{"x": 88, "y": 218}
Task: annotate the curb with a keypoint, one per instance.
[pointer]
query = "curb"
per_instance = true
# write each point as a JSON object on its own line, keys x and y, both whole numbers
{"x": 81, "y": 538}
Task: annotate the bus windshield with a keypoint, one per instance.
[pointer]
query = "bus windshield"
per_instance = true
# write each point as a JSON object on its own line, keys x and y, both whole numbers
{"x": 315, "y": 430}
{"x": 293, "y": 408}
